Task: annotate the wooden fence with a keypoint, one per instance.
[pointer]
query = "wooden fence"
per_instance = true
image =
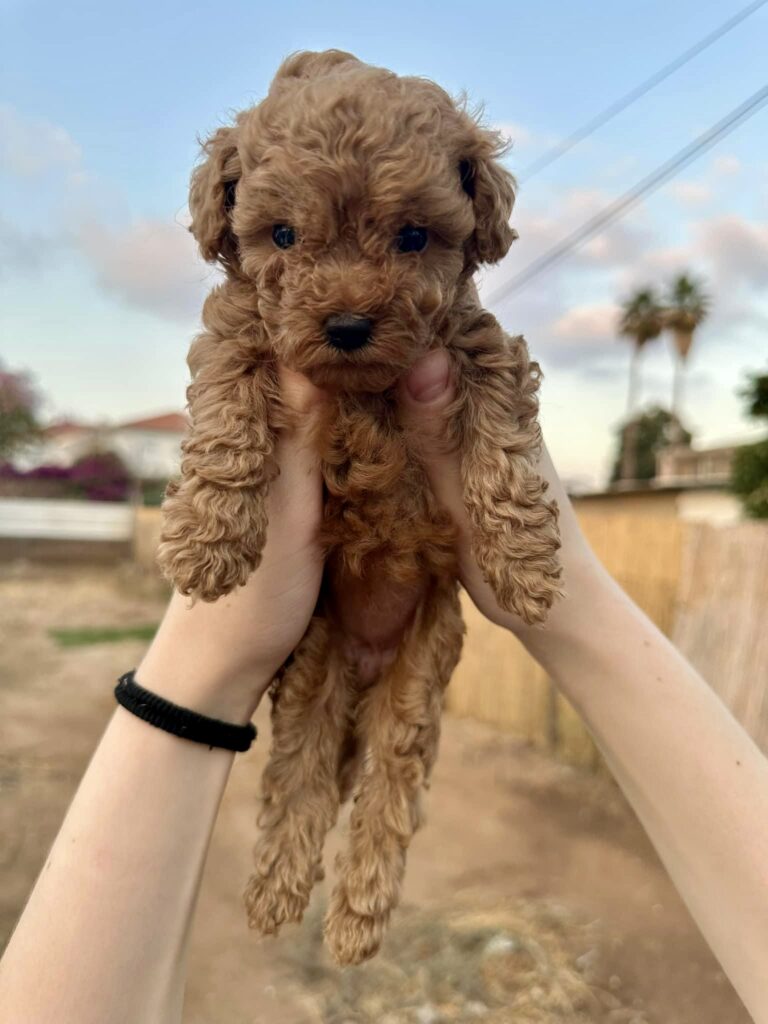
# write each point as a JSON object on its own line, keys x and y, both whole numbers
{"x": 721, "y": 623}
{"x": 706, "y": 587}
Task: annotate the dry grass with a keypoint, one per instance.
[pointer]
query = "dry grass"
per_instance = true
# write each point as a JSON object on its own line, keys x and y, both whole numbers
{"x": 516, "y": 964}
{"x": 83, "y": 636}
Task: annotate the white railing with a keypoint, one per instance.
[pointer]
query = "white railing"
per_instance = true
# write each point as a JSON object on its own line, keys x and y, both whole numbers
{"x": 65, "y": 519}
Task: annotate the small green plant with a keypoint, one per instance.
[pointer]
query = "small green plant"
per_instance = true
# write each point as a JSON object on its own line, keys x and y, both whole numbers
{"x": 84, "y": 636}
{"x": 749, "y": 476}
{"x": 152, "y": 493}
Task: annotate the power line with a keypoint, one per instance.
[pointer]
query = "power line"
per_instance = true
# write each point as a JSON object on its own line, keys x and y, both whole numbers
{"x": 630, "y": 198}
{"x": 556, "y": 151}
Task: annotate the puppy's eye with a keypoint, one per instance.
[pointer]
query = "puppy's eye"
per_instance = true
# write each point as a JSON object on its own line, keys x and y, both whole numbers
{"x": 283, "y": 236}
{"x": 412, "y": 239}
{"x": 230, "y": 194}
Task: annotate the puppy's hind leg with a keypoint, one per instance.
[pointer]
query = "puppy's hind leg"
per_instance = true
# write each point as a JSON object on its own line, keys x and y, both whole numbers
{"x": 399, "y": 727}
{"x": 300, "y": 784}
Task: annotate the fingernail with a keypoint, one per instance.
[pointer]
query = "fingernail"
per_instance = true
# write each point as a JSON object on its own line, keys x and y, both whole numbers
{"x": 430, "y": 377}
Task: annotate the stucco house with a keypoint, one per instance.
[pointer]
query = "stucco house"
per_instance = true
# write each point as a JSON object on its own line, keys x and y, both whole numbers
{"x": 690, "y": 483}
{"x": 150, "y": 448}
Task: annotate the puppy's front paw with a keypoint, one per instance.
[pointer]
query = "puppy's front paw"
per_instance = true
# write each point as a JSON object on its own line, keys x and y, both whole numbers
{"x": 524, "y": 590}
{"x": 520, "y": 563}
{"x": 212, "y": 538}
{"x": 203, "y": 570}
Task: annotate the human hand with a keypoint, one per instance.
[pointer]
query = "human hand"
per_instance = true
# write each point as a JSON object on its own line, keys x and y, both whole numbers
{"x": 425, "y": 393}
{"x": 219, "y": 657}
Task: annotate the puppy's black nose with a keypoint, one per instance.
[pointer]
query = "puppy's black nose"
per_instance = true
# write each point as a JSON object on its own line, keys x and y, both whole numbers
{"x": 347, "y": 332}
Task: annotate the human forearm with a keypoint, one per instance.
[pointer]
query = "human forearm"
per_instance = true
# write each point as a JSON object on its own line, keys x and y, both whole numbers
{"x": 104, "y": 934}
{"x": 103, "y": 937}
{"x": 695, "y": 779}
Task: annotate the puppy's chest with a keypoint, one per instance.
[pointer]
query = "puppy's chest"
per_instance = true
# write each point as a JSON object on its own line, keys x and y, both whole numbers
{"x": 376, "y": 497}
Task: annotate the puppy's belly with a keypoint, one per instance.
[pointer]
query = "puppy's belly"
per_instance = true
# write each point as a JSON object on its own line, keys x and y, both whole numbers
{"x": 386, "y": 547}
{"x": 372, "y": 614}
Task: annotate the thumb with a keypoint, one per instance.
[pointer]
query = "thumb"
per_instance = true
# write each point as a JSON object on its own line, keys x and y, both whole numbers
{"x": 426, "y": 391}
{"x": 298, "y": 393}
{"x": 301, "y": 406}
{"x": 425, "y": 395}
{"x": 295, "y": 494}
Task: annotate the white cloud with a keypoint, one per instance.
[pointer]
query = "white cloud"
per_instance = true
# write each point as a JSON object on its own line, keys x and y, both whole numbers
{"x": 691, "y": 193}
{"x": 730, "y": 255}
{"x": 151, "y": 265}
{"x": 737, "y": 250}
{"x": 619, "y": 168}
{"x": 584, "y": 201}
{"x": 729, "y": 252}
{"x": 518, "y": 135}
{"x": 78, "y": 179}
{"x": 17, "y": 249}
{"x": 26, "y": 251}
{"x": 526, "y": 145}
{"x": 31, "y": 146}
{"x": 610, "y": 247}
{"x": 569, "y": 314}
{"x": 539, "y": 231}
{"x": 655, "y": 266}
{"x": 588, "y": 323}
{"x": 726, "y": 165}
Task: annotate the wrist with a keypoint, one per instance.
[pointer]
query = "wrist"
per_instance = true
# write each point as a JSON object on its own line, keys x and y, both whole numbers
{"x": 208, "y": 658}
{"x": 215, "y": 691}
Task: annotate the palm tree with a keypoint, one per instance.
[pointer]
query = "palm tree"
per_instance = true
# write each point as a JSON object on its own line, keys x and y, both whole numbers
{"x": 686, "y": 308}
{"x": 642, "y": 320}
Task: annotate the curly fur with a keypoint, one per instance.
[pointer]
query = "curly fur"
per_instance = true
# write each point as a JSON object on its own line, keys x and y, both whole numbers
{"x": 347, "y": 154}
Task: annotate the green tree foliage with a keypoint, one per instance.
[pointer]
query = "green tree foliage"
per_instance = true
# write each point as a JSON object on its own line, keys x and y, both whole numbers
{"x": 650, "y": 431}
{"x": 756, "y": 395}
{"x": 749, "y": 477}
{"x": 18, "y": 413}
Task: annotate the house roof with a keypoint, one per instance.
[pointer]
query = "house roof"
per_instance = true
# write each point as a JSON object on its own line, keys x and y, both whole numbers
{"x": 697, "y": 453}
{"x": 636, "y": 489}
{"x": 172, "y": 422}
{"x": 62, "y": 427}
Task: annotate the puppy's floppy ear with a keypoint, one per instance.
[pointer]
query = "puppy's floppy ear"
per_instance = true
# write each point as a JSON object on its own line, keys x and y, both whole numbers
{"x": 313, "y": 64}
{"x": 492, "y": 191}
{"x": 212, "y": 197}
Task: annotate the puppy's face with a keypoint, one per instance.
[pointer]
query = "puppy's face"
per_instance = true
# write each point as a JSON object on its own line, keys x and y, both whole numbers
{"x": 356, "y": 202}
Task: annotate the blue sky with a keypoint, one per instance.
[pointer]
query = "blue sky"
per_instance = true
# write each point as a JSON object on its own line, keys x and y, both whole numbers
{"x": 101, "y": 104}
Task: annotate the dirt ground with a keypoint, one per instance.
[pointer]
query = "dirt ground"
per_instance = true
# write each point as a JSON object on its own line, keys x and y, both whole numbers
{"x": 531, "y": 894}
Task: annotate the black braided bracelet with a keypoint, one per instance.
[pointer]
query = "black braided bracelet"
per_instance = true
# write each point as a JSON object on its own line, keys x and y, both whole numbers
{"x": 189, "y": 725}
